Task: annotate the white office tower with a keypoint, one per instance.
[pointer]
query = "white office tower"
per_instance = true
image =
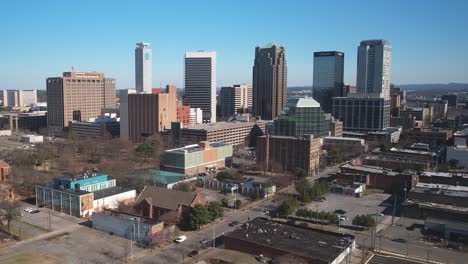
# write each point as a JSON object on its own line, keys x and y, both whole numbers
{"x": 196, "y": 116}
{"x": 124, "y": 131}
{"x": 374, "y": 68}
{"x": 15, "y": 98}
{"x": 143, "y": 68}
{"x": 200, "y": 83}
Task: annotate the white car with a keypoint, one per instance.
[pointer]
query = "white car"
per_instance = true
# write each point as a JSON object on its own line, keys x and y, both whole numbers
{"x": 180, "y": 239}
{"x": 343, "y": 218}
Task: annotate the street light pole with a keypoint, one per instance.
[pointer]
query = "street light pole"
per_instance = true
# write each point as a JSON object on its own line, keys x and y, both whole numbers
{"x": 363, "y": 249}
{"x": 214, "y": 236}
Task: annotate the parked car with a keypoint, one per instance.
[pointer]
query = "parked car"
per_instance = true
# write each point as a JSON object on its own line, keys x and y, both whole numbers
{"x": 31, "y": 210}
{"x": 343, "y": 218}
{"x": 399, "y": 240}
{"x": 379, "y": 214}
{"x": 340, "y": 212}
{"x": 193, "y": 253}
{"x": 234, "y": 223}
{"x": 321, "y": 199}
{"x": 180, "y": 239}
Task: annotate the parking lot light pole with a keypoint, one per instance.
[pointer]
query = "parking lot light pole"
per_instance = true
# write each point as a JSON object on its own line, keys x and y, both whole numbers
{"x": 363, "y": 249}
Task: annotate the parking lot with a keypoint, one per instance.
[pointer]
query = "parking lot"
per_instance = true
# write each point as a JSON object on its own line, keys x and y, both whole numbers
{"x": 58, "y": 221}
{"x": 368, "y": 204}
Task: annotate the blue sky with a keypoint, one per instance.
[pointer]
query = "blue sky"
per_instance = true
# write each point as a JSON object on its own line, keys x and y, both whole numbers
{"x": 40, "y": 39}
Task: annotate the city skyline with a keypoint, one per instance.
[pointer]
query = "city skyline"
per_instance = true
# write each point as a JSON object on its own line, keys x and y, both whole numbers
{"x": 34, "y": 47}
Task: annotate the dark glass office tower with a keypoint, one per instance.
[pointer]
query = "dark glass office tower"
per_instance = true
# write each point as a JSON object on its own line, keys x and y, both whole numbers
{"x": 328, "y": 77}
{"x": 269, "y": 81}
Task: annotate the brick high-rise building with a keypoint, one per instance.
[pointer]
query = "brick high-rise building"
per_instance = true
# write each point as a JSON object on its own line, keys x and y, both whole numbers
{"x": 280, "y": 153}
{"x": 269, "y": 81}
{"x": 149, "y": 114}
{"x": 77, "y": 96}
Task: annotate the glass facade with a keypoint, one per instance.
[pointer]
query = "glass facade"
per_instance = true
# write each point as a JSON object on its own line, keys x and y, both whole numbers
{"x": 328, "y": 77}
{"x": 301, "y": 117}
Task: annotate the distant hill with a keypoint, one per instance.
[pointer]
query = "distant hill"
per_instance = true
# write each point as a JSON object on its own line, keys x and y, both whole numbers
{"x": 453, "y": 87}
{"x": 299, "y": 88}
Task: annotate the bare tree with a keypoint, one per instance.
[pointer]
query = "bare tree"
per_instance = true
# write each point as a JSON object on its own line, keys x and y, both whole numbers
{"x": 10, "y": 211}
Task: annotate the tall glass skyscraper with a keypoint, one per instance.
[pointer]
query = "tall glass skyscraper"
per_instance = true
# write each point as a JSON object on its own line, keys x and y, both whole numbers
{"x": 328, "y": 77}
{"x": 200, "y": 83}
{"x": 143, "y": 68}
{"x": 374, "y": 68}
{"x": 302, "y": 116}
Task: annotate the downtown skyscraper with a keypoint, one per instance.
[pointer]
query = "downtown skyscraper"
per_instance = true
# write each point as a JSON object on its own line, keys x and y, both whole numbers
{"x": 328, "y": 77}
{"x": 200, "y": 83}
{"x": 143, "y": 68}
{"x": 374, "y": 68}
{"x": 369, "y": 108}
{"x": 270, "y": 81}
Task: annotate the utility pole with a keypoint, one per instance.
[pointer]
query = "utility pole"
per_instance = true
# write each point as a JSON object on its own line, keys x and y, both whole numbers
{"x": 363, "y": 249}
{"x": 214, "y": 236}
{"x": 394, "y": 208}
{"x": 50, "y": 223}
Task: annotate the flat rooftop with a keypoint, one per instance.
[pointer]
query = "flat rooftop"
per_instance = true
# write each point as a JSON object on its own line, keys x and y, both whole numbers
{"x": 196, "y": 148}
{"x": 80, "y": 176}
{"x": 443, "y": 174}
{"x": 298, "y": 240}
{"x": 109, "y": 192}
{"x": 126, "y": 216}
{"x": 222, "y": 125}
{"x": 344, "y": 139}
{"x": 412, "y": 151}
{"x": 371, "y": 169}
{"x": 442, "y": 189}
{"x": 438, "y": 206}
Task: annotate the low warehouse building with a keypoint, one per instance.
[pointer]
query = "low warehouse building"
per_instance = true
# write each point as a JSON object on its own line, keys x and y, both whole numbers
{"x": 287, "y": 243}
{"x": 139, "y": 229}
{"x": 197, "y": 158}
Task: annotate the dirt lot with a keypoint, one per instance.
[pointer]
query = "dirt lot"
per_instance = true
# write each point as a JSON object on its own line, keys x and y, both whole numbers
{"x": 30, "y": 258}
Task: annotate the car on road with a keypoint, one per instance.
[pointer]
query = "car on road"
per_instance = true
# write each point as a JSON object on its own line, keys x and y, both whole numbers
{"x": 321, "y": 199}
{"x": 340, "y": 212}
{"x": 180, "y": 239}
{"x": 260, "y": 258}
{"x": 234, "y": 223}
{"x": 193, "y": 253}
{"x": 343, "y": 218}
{"x": 399, "y": 240}
{"x": 379, "y": 214}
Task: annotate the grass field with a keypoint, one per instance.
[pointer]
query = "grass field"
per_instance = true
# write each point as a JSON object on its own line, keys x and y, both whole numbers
{"x": 30, "y": 258}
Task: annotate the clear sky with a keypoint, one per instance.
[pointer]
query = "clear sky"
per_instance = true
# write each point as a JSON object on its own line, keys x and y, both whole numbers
{"x": 40, "y": 39}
